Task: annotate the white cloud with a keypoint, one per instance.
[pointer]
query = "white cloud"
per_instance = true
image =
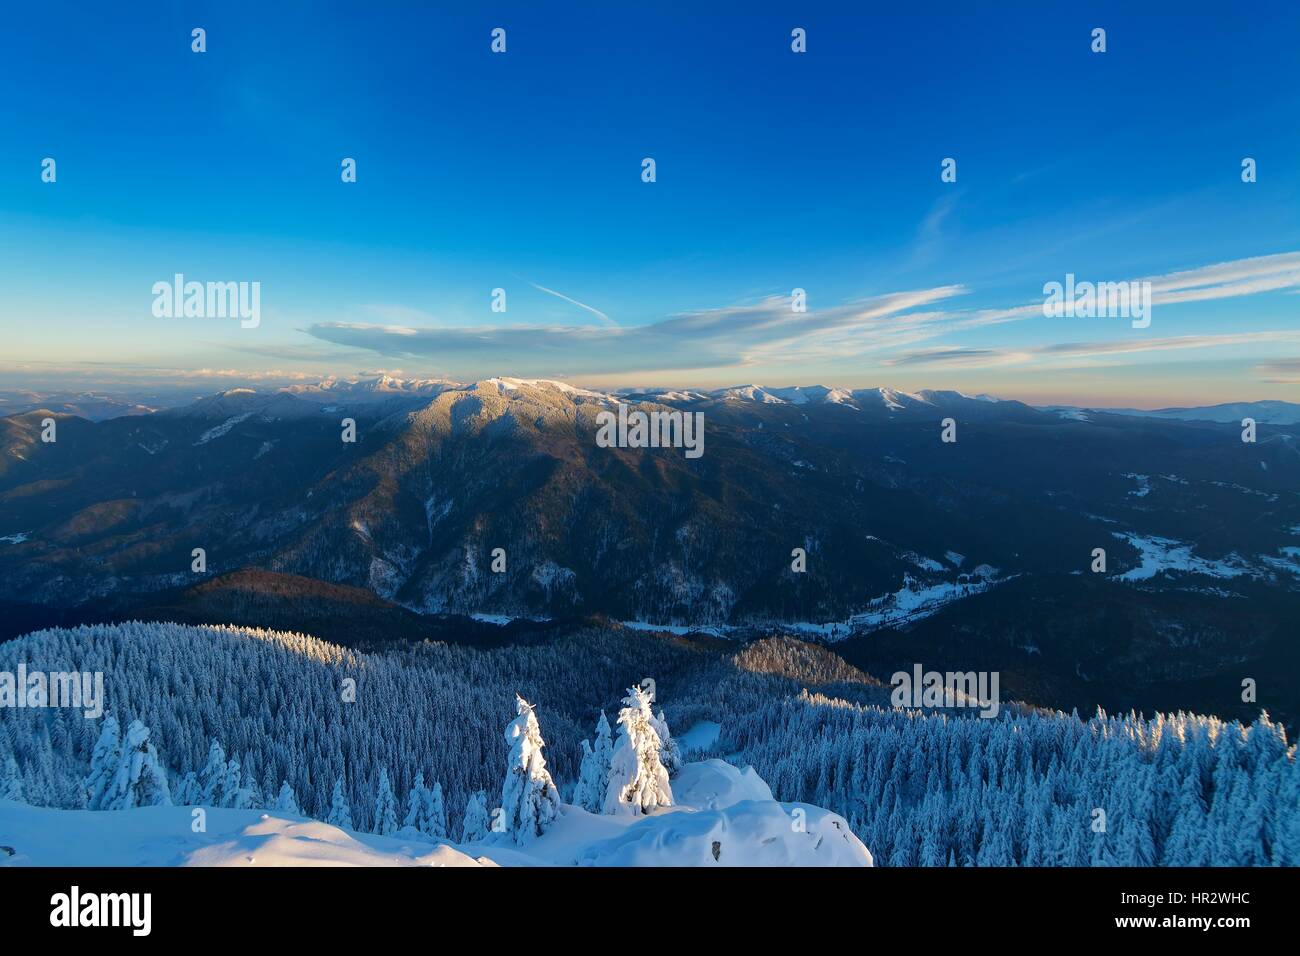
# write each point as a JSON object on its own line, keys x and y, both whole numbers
{"x": 882, "y": 328}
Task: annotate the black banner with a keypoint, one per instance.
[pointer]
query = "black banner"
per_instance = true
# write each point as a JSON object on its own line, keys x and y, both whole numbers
{"x": 340, "y": 904}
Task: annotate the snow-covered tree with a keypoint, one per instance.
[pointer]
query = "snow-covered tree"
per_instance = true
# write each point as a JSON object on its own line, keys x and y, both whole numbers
{"x": 436, "y": 814}
{"x": 638, "y": 781}
{"x": 188, "y": 793}
{"x": 529, "y": 800}
{"x": 253, "y": 792}
{"x": 103, "y": 763}
{"x": 233, "y": 792}
{"x": 287, "y": 802}
{"x": 385, "y": 806}
{"x": 11, "y": 780}
{"x": 669, "y": 755}
{"x": 340, "y": 813}
{"x": 212, "y": 778}
{"x": 476, "y": 818}
{"x": 417, "y": 805}
{"x": 593, "y": 775}
{"x": 140, "y": 780}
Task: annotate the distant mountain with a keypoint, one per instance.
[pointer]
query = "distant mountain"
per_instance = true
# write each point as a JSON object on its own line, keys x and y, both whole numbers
{"x": 92, "y": 406}
{"x": 1263, "y": 412}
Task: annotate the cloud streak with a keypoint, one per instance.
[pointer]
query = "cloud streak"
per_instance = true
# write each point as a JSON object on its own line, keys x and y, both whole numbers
{"x": 890, "y": 329}
{"x": 985, "y": 358}
{"x": 582, "y": 305}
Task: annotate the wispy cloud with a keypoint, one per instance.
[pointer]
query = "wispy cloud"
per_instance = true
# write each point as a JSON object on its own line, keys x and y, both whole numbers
{"x": 1227, "y": 280}
{"x": 890, "y": 329}
{"x": 984, "y": 358}
{"x": 1280, "y": 371}
{"x": 732, "y": 336}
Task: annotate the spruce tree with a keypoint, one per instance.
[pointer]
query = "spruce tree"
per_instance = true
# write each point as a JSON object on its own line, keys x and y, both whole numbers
{"x": 103, "y": 764}
{"x": 340, "y": 814}
{"x": 286, "y": 802}
{"x": 529, "y": 800}
{"x": 385, "y": 806}
{"x": 593, "y": 774}
{"x": 638, "y": 782}
{"x": 140, "y": 780}
{"x": 476, "y": 823}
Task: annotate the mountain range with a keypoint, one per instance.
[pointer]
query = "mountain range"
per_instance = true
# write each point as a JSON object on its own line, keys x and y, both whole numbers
{"x": 985, "y": 544}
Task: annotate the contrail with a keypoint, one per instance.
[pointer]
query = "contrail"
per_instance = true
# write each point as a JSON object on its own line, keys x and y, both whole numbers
{"x": 582, "y": 305}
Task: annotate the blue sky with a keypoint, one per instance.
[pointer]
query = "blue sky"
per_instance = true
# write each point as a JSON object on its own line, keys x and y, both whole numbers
{"x": 775, "y": 170}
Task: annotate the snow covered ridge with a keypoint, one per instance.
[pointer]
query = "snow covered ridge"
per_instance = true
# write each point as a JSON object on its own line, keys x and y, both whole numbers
{"x": 423, "y": 739}
{"x": 727, "y": 818}
{"x": 624, "y": 811}
{"x": 723, "y": 816}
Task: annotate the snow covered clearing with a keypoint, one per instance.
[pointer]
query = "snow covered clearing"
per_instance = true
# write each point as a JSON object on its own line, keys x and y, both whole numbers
{"x": 1162, "y": 555}
{"x": 699, "y": 737}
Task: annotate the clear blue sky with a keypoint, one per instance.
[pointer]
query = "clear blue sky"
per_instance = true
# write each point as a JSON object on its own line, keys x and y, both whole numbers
{"x": 775, "y": 171}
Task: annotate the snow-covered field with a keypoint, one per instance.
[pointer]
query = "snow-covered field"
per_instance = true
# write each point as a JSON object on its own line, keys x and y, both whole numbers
{"x": 700, "y": 737}
{"x": 723, "y": 816}
{"x": 912, "y": 602}
{"x": 1159, "y": 555}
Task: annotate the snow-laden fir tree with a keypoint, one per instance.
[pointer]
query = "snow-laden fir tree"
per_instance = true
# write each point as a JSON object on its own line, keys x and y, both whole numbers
{"x": 140, "y": 780}
{"x": 188, "y": 793}
{"x": 286, "y": 802}
{"x": 417, "y": 806}
{"x": 103, "y": 763}
{"x": 11, "y": 780}
{"x": 593, "y": 775}
{"x": 669, "y": 754}
{"x": 212, "y": 778}
{"x": 253, "y": 792}
{"x": 340, "y": 814}
{"x": 385, "y": 806}
{"x": 638, "y": 781}
{"x": 476, "y": 822}
{"x": 529, "y": 800}
{"x": 436, "y": 813}
{"x": 233, "y": 792}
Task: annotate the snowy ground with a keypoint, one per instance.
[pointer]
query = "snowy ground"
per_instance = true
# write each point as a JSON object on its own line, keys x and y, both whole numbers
{"x": 163, "y": 836}
{"x": 724, "y": 817}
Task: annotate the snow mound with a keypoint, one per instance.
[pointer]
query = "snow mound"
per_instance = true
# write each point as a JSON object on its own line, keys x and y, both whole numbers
{"x": 164, "y": 836}
{"x": 749, "y": 833}
{"x": 716, "y": 785}
{"x": 282, "y": 841}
